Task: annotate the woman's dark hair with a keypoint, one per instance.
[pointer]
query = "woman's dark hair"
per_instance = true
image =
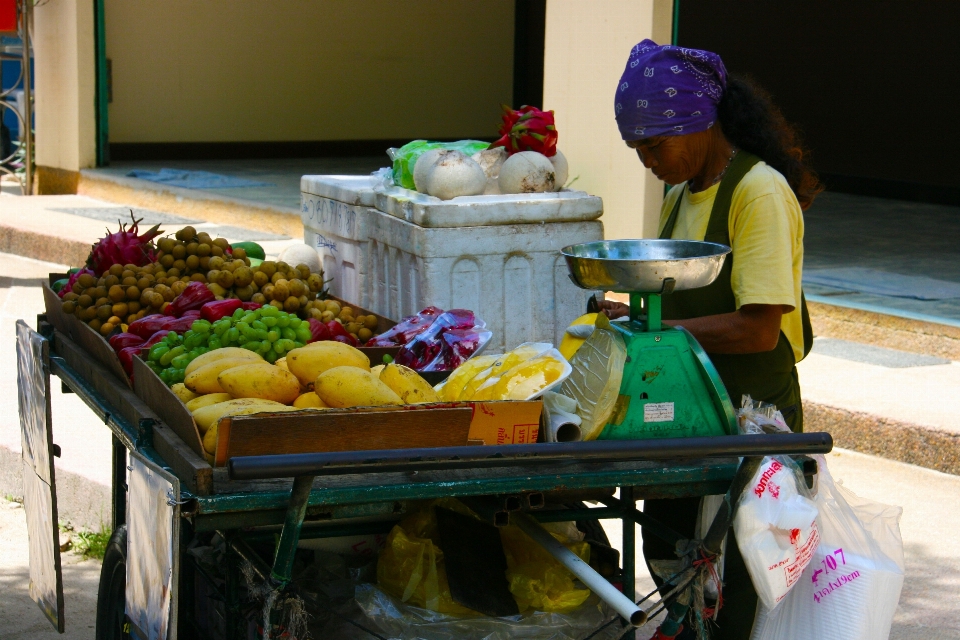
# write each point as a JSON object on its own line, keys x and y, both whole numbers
{"x": 753, "y": 123}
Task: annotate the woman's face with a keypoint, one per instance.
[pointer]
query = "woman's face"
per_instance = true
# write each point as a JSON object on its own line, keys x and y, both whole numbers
{"x": 674, "y": 159}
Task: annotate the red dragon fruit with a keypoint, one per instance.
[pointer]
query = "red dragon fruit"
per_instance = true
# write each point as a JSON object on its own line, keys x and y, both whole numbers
{"x": 527, "y": 129}
{"x": 123, "y": 247}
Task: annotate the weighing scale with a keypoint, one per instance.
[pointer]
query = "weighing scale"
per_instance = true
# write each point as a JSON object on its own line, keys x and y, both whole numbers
{"x": 670, "y": 388}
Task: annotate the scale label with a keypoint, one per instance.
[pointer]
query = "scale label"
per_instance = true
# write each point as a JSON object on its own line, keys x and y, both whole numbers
{"x": 658, "y": 412}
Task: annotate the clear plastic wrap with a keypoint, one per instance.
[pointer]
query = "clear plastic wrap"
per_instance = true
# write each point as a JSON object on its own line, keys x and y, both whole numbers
{"x": 405, "y": 622}
{"x": 597, "y": 373}
{"x": 563, "y": 423}
{"x": 526, "y": 380}
{"x": 852, "y": 585}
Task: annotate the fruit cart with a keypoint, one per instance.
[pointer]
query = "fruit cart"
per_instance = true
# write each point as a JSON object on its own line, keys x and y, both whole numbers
{"x": 165, "y": 494}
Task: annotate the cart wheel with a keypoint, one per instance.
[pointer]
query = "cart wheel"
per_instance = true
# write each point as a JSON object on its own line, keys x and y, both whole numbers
{"x": 113, "y": 581}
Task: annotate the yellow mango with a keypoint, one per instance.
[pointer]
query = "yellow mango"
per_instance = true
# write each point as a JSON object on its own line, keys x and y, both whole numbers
{"x": 309, "y": 362}
{"x": 204, "y": 379}
{"x": 408, "y": 384}
{"x": 282, "y": 363}
{"x": 205, "y": 401}
{"x": 450, "y": 389}
{"x": 180, "y": 390}
{"x": 210, "y": 435}
{"x": 220, "y": 354}
{"x": 309, "y": 400}
{"x": 341, "y": 387}
{"x": 263, "y": 380}
{"x": 210, "y": 415}
{"x": 377, "y": 369}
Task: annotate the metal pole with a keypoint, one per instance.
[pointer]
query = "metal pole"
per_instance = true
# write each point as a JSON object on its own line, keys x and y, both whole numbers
{"x": 119, "y": 483}
{"x": 593, "y": 580}
{"x": 629, "y": 548}
{"x": 26, "y": 9}
{"x": 290, "y": 534}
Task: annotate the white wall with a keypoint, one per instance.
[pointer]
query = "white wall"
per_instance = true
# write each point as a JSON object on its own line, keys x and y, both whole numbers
{"x": 65, "y": 84}
{"x": 250, "y": 70}
{"x": 587, "y": 44}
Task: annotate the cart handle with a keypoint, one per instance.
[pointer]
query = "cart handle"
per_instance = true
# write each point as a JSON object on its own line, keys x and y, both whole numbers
{"x": 484, "y": 457}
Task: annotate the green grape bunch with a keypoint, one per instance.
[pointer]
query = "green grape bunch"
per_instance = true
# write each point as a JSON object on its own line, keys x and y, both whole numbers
{"x": 267, "y": 331}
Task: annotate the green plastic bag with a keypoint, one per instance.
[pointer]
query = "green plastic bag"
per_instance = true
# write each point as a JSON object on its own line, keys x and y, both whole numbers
{"x": 406, "y": 156}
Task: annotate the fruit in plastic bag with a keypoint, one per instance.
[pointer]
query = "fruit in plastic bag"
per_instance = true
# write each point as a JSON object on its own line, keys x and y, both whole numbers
{"x": 526, "y": 380}
{"x": 512, "y": 358}
{"x": 597, "y": 373}
{"x": 431, "y": 349}
{"x": 406, "y": 330}
{"x": 450, "y": 389}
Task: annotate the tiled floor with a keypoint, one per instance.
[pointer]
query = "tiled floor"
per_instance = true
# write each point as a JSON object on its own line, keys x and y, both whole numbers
{"x": 842, "y": 230}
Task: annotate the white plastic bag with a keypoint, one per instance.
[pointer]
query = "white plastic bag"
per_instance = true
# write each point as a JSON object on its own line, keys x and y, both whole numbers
{"x": 776, "y": 529}
{"x": 851, "y": 588}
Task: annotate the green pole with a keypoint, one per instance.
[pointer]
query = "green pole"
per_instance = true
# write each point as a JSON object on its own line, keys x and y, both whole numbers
{"x": 102, "y": 97}
{"x": 676, "y": 21}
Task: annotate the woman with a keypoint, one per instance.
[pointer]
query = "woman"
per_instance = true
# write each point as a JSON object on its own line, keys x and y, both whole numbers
{"x": 739, "y": 179}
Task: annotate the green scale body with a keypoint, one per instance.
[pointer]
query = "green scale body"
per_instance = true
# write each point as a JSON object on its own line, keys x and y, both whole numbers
{"x": 670, "y": 388}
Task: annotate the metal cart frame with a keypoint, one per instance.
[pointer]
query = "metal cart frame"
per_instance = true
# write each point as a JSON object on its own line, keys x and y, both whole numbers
{"x": 337, "y": 494}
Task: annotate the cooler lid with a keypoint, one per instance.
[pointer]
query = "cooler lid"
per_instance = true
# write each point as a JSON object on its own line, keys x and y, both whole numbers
{"x": 355, "y": 190}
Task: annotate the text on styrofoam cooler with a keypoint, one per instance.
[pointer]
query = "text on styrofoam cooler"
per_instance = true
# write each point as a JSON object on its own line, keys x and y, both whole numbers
{"x": 658, "y": 412}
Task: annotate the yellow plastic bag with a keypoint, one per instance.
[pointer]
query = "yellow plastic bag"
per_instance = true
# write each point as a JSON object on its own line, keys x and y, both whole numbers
{"x": 411, "y": 566}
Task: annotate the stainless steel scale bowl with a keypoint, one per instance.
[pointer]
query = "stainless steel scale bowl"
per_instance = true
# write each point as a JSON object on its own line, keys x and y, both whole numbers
{"x": 642, "y": 266}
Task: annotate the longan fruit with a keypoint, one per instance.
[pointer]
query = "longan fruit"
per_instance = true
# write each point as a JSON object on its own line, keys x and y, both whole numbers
{"x": 86, "y": 281}
{"x": 315, "y": 313}
{"x": 216, "y": 289}
{"x": 192, "y": 262}
{"x": 192, "y": 248}
{"x": 167, "y": 261}
{"x": 179, "y": 252}
{"x": 370, "y": 322}
{"x": 114, "y": 320}
{"x": 225, "y": 279}
{"x": 277, "y": 304}
{"x": 102, "y": 301}
{"x": 142, "y": 283}
{"x": 353, "y": 327}
{"x": 216, "y": 263}
{"x": 216, "y": 251}
{"x": 173, "y": 272}
{"x": 156, "y": 301}
{"x": 146, "y": 295}
{"x": 166, "y": 244}
{"x": 269, "y": 267}
{"x": 260, "y": 278}
{"x": 222, "y": 243}
{"x": 133, "y": 306}
{"x": 239, "y": 253}
{"x": 88, "y": 314}
{"x": 185, "y": 279}
{"x": 244, "y": 293}
{"x": 95, "y": 324}
{"x": 267, "y": 291}
{"x": 243, "y": 276}
{"x": 106, "y": 328}
{"x": 104, "y": 312}
{"x": 186, "y": 234}
{"x": 303, "y": 270}
{"x": 199, "y": 277}
{"x": 120, "y": 309}
{"x": 326, "y": 316}
{"x": 259, "y": 298}
{"x": 177, "y": 288}
{"x": 71, "y": 296}
{"x": 205, "y": 263}
{"x": 180, "y": 265}
{"x": 133, "y": 293}
{"x": 364, "y": 334}
{"x": 76, "y": 288}
{"x": 110, "y": 280}
{"x": 115, "y": 270}
{"x": 163, "y": 308}
{"x": 84, "y": 301}
{"x": 281, "y": 291}
{"x": 291, "y": 304}
{"x": 69, "y": 306}
{"x": 128, "y": 273}
{"x": 204, "y": 238}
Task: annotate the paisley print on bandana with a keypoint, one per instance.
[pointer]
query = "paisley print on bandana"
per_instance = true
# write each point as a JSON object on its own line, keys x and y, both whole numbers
{"x": 668, "y": 91}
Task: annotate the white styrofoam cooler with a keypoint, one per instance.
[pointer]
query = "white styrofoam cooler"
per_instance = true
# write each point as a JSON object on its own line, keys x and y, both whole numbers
{"x": 511, "y": 275}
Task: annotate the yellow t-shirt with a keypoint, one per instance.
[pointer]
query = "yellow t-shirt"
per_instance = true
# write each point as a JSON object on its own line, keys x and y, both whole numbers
{"x": 766, "y": 235}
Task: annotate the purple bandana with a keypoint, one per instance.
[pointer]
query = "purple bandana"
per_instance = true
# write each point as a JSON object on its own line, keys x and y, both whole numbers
{"x": 668, "y": 91}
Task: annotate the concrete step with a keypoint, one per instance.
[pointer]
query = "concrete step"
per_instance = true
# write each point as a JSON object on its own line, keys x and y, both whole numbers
{"x": 190, "y": 203}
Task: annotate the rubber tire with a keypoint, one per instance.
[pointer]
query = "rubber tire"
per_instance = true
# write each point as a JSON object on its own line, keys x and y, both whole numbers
{"x": 111, "y": 593}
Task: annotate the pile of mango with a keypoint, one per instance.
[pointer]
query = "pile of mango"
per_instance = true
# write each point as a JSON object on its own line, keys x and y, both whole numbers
{"x": 232, "y": 381}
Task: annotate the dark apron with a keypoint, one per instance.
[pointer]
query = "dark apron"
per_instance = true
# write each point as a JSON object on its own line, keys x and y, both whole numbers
{"x": 770, "y": 377}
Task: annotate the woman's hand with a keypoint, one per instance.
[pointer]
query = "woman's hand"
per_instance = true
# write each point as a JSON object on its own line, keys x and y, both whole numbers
{"x": 613, "y": 309}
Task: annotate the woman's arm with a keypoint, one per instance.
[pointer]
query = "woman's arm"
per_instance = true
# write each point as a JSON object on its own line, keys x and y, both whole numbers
{"x": 753, "y": 328}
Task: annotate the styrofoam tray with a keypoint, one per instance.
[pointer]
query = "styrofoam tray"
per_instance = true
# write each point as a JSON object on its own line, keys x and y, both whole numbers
{"x": 353, "y": 190}
{"x": 481, "y": 211}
